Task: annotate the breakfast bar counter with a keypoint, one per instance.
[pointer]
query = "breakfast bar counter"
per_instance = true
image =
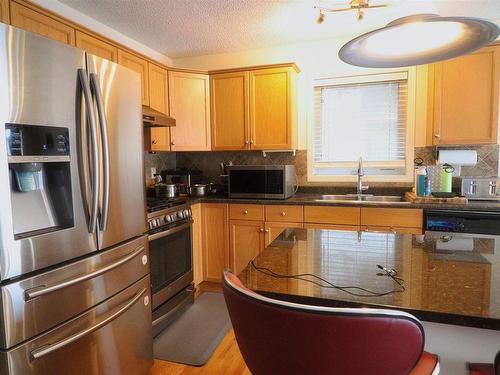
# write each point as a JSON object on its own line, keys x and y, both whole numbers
{"x": 444, "y": 278}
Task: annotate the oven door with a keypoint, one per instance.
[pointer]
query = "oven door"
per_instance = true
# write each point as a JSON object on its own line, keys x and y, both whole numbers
{"x": 171, "y": 262}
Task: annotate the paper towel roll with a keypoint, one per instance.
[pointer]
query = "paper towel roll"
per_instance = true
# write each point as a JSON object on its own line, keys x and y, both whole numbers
{"x": 458, "y": 157}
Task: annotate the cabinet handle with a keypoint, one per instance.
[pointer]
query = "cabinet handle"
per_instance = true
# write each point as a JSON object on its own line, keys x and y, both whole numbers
{"x": 172, "y": 143}
{"x": 245, "y": 212}
{"x": 154, "y": 142}
{"x": 437, "y": 136}
{"x": 283, "y": 213}
{"x": 261, "y": 230}
{"x": 252, "y": 142}
{"x": 246, "y": 142}
{"x": 267, "y": 231}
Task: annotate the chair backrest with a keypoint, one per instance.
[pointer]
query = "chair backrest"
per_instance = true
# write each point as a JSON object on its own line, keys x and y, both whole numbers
{"x": 497, "y": 363}
{"x": 277, "y": 337}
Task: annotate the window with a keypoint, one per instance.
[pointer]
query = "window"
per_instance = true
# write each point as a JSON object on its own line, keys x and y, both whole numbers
{"x": 363, "y": 116}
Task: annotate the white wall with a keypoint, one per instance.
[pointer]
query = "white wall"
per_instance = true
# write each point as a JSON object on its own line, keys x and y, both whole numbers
{"x": 100, "y": 28}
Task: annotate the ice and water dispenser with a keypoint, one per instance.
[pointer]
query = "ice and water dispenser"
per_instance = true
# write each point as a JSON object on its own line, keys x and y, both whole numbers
{"x": 40, "y": 178}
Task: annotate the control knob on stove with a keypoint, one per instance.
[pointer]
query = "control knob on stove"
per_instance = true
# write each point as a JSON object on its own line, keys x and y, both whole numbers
{"x": 186, "y": 213}
{"x": 167, "y": 218}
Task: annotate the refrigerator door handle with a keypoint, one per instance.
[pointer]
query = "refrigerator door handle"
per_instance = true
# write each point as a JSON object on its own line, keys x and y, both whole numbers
{"x": 49, "y": 348}
{"x": 45, "y": 289}
{"x": 101, "y": 115}
{"x": 89, "y": 106}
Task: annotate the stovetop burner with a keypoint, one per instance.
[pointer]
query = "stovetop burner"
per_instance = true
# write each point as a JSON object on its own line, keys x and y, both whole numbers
{"x": 156, "y": 204}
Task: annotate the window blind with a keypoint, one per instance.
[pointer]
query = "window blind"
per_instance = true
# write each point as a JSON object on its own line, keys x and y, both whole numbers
{"x": 367, "y": 120}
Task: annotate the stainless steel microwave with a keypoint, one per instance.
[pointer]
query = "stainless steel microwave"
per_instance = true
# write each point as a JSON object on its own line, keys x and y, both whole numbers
{"x": 261, "y": 181}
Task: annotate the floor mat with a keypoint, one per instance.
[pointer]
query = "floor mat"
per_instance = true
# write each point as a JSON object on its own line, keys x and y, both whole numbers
{"x": 194, "y": 336}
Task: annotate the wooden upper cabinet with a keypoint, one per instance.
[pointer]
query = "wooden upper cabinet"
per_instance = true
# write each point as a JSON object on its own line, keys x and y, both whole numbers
{"x": 4, "y": 11}
{"x": 30, "y": 20}
{"x": 140, "y": 66}
{"x": 158, "y": 88}
{"x": 466, "y": 98}
{"x": 272, "y": 108}
{"x": 229, "y": 111}
{"x": 190, "y": 106}
{"x": 96, "y": 46}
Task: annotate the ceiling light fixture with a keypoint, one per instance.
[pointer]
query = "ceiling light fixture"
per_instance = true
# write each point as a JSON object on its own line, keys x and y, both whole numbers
{"x": 358, "y": 5}
{"x": 418, "y": 39}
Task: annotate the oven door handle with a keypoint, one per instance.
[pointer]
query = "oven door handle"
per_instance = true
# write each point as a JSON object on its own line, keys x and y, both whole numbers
{"x": 168, "y": 232}
{"x": 42, "y": 290}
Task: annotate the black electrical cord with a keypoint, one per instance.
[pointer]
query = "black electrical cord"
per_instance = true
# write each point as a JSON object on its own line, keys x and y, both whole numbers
{"x": 391, "y": 273}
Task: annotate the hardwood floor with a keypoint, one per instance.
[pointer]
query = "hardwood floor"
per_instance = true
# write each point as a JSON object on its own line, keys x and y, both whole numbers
{"x": 226, "y": 360}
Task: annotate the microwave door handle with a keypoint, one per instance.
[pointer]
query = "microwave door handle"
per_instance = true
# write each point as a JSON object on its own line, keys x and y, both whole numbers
{"x": 49, "y": 348}
{"x": 94, "y": 157}
{"x": 101, "y": 115}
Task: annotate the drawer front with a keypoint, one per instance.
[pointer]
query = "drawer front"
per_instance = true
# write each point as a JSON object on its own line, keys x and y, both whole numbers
{"x": 246, "y": 212}
{"x": 284, "y": 213}
{"x": 112, "y": 338}
{"x": 392, "y": 217}
{"x": 332, "y": 215}
{"x": 43, "y": 301}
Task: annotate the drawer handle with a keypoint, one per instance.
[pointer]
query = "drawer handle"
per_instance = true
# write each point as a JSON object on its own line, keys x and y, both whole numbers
{"x": 43, "y": 289}
{"x": 49, "y": 348}
{"x": 261, "y": 230}
{"x": 283, "y": 213}
{"x": 267, "y": 231}
{"x": 154, "y": 142}
{"x": 245, "y": 212}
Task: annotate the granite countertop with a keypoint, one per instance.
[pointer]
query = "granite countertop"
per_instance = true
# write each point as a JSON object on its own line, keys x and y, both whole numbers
{"x": 452, "y": 280}
{"x": 314, "y": 199}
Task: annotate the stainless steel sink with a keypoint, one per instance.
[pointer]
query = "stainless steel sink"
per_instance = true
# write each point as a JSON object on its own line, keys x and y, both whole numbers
{"x": 362, "y": 198}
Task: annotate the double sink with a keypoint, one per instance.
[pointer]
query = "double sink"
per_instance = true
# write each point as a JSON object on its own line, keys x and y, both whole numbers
{"x": 363, "y": 198}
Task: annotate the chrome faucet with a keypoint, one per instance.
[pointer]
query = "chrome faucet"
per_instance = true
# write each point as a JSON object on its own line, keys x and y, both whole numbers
{"x": 360, "y": 187}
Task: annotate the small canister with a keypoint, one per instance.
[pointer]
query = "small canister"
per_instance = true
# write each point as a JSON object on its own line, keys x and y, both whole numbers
{"x": 421, "y": 175}
{"x": 446, "y": 178}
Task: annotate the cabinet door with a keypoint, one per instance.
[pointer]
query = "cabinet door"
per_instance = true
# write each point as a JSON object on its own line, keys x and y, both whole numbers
{"x": 96, "y": 46}
{"x": 157, "y": 139}
{"x": 140, "y": 66}
{"x": 466, "y": 98}
{"x": 30, "y": 20}
{"x": 4, "y": 11}
{"x": 190, "y": 106}
{"x": 215, "y": 239}
{"x": 197, "y": 235}
{"x": 246, "y": 242}
{"x": 158, "y": 88}
{"x": 271, "y": 112}
{"x": 229, "y": 111}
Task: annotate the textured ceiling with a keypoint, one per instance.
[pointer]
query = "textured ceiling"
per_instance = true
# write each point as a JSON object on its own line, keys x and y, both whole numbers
{"x": 179, "y": 28}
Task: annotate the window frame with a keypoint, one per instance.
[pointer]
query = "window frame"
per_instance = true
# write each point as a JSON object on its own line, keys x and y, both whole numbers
{"x": 408, "y": 74}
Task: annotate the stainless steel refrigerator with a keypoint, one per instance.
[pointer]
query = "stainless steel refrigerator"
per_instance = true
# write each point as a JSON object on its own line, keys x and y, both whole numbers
{"x": 74, "y": 265}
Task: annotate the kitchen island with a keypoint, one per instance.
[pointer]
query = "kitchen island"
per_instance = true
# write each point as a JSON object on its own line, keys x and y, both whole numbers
{"x": 450, "y": 279}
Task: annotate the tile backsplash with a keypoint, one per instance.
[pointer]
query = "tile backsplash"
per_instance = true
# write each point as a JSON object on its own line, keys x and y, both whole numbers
{"x": 209, "y": 162}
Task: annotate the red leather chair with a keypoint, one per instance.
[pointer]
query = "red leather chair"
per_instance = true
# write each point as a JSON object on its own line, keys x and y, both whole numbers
{"x": 277, "y": 337}
{"x": 485, "y": 368}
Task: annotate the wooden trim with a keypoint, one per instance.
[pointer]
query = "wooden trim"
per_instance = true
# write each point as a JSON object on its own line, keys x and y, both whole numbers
{"x": 256, "y": 67}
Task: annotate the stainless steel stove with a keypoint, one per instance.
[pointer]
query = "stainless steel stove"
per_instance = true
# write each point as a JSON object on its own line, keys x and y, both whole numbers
{"x": 169, "y": 234}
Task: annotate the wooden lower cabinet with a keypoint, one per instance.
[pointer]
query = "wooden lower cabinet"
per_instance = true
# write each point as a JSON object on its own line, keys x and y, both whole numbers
{"x": 215, "y": 240}
{"x": 332, "y": 215}
{"x": 392, "y": 217}
{"x": 197, "y": 241}
{"x": 247, "y": 240}
{"x": 30, "y": 20}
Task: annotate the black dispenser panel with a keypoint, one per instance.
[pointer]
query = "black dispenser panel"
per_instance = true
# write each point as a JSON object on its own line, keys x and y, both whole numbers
{"x": 34, "y": 140}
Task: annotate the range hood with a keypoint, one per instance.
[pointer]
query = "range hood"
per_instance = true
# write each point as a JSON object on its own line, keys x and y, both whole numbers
{"x": 155, "y": 119}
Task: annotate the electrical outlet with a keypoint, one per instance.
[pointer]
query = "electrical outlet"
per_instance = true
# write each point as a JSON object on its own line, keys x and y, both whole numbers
{"x": 153, "y": 172}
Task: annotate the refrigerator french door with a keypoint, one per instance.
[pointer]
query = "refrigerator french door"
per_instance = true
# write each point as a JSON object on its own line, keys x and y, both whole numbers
{"x": 89, "y": 198}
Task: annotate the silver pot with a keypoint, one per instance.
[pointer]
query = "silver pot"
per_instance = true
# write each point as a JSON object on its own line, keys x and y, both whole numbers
{"x": 198, "y": 190}
{"x": 166, "y": 190}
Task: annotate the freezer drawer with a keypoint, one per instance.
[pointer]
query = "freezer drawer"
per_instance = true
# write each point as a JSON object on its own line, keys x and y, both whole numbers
{"x": 34, "y": 305}
{"x": 113, "y": 338}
